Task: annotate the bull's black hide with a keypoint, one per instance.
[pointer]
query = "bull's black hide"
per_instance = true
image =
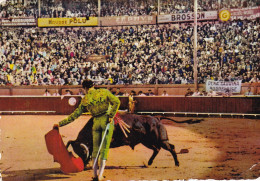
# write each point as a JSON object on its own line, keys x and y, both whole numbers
{"x": 146, "y": 130}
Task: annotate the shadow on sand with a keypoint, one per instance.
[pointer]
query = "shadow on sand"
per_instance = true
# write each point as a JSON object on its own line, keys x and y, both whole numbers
{"x": 37, "y": 174}
{"x": 235, "y": 141}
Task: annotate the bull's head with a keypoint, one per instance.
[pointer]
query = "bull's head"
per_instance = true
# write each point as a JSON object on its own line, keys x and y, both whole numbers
{"x": 81, "y": 150}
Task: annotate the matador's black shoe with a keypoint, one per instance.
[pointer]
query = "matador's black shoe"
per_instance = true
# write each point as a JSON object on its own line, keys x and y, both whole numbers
{"x": 94, "y": 178}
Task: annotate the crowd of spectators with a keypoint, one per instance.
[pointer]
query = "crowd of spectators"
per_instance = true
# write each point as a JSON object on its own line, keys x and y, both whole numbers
{"x": 185, "y": 6}
{"x": 82, "y": 8}
{"x": 79, "y": 8}
{"x": 239, "y": 3}
{"x": 49, "y": 8}
{"x": 11, "y": 9}
{"x": 128, "y": 8}
{"x": 146, "y": 54}
{"x": 211, "y": 93}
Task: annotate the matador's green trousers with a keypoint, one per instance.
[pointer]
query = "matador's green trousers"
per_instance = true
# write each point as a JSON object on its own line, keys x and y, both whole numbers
{"x": 98, "y": 130}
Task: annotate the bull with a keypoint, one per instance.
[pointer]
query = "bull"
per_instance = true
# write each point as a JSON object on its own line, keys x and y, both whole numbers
{"x": 147, "y": 130}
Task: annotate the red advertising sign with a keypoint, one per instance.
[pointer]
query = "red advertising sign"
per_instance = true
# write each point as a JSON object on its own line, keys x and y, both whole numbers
{"x": 18, "y": 22}
{"x": 245, "y": 13}
{"x": 127, "y": 20}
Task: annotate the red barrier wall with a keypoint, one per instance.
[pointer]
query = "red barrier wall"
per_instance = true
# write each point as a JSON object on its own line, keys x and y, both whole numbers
{"x": 60, "y": 105}
{"x": 53, "y": 105}
{"x": 199, "y": 104}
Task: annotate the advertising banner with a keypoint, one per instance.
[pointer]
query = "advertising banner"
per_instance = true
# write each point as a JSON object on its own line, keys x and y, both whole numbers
{"x": 164, "y": 18}
{"x": 127, "y": 20}
{"x": 182, "y": 17}
{"x": 222, "y": 86}
{"x": 245, "y": 13}
{"x": 18, "y": 22}
{"x": 80, "y": 21}
{"x": 224, "y": 15}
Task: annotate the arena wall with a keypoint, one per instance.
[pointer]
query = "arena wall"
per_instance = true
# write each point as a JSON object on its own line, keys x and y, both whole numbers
{"x": 148, "y": 104}
{"x": 30, "y": 100}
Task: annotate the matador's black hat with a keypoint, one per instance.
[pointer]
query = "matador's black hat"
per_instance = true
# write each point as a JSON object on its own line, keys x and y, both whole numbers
{"x": 87, "y": 83}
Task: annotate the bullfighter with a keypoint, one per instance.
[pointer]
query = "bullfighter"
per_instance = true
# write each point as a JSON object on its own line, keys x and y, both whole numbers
{"x": 102, "y": 105}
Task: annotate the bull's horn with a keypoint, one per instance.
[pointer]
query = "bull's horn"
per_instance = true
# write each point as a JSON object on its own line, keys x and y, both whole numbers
{"x": 68, "y": 144}
{"x": 85, "y": 147}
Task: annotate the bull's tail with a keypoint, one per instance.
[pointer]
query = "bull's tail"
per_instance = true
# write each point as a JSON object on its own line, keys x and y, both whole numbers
{"x": 189, "y": 121}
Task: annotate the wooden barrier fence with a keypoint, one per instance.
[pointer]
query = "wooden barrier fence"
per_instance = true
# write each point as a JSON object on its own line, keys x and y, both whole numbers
{"x": 59, "y": 105}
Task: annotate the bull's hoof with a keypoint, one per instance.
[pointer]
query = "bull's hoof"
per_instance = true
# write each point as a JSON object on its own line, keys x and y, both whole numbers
{"x": 150, "y": 162}
{"x": 177, "y": 164}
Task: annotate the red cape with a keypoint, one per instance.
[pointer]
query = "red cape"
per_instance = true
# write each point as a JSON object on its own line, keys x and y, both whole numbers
{"x": 56, "y": 147}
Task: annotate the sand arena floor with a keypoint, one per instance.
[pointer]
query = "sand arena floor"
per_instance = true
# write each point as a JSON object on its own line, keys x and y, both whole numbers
{"x": 219, "y": 148}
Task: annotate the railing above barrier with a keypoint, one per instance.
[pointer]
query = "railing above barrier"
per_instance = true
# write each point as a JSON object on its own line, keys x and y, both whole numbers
{"x": 198, "y": 114}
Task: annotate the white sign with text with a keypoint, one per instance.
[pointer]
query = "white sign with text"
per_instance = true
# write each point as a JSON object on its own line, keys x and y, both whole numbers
{"x": 222, "y": 86}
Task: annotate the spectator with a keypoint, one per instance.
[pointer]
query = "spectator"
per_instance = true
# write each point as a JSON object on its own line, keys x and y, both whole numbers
{"x": 249, "y": 92}
{"x": 203, "y": 93}
{"x": 118, "y": 93}
{"x": 165, "y": 93}
{"x": 68, "y": 93}
{"x": 125, "y": 93}
{"x": 188, "y": 92}
{"x": 131, "y": 102}
{"x": 150, "y": 93}
{"x": 47, "y": 93}
{"x": 196, "y": 93}
{"x": 140, "y": 93}
{"x": 212, "y": 93}
{"x": 254, "y": 79}
{"x": 227, "y": 93}
{"x": 80, "y": 92}
{"x": 56, "y": 93}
